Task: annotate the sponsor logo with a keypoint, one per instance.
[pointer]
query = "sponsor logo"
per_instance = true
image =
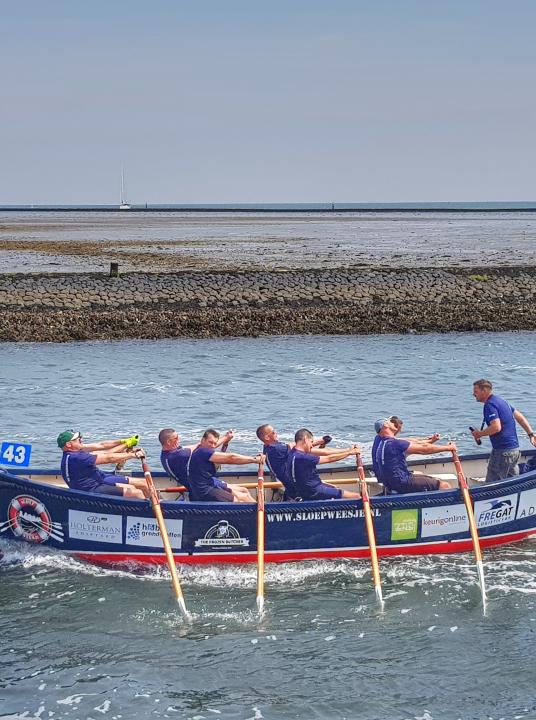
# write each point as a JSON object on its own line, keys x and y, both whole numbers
{"x": 304, "y": 515}
{"x": 527, "y": 504}
{"x": 222, "y": 535}
{"x": 28, "y": 518}
{"x": 145, "y": 532}
{"x": 444, "y": 520}
{"x": 404, "y": 524}
{"x": 495, "y": 512}
{"x": 96, "y": 528}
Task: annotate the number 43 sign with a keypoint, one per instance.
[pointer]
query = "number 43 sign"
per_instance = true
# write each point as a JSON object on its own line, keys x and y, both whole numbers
{"x": 15, "y": 454}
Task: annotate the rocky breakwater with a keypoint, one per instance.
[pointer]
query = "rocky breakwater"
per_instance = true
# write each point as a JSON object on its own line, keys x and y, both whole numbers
{"x": 58, "y": 308}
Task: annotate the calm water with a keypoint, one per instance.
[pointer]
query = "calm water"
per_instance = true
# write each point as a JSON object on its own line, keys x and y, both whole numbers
{"x": 85, "y": 643}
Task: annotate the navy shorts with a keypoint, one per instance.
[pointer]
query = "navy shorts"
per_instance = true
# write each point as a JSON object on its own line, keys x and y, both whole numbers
{"x": 418, "y": 483}
{"x": 113, "y": 479}
{"x": 217, "y": 494}
{"x": 106, "y": 489}
{"x": 327, "y": 492}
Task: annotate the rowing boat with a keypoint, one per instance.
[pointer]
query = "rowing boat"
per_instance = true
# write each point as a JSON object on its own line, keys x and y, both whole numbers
{"x": 37, "y": 508}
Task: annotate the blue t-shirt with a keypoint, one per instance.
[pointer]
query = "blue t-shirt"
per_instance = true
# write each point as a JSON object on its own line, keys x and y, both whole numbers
{"x": 80, "y": 472}
{"x": 495, "y": 407}
{"x": 389, "y": 461}
{"x": 175, "y": 463}
{"x": 301, "y": 469}
{"x": 202, "y": 473}
{"x": 276, "y": 457}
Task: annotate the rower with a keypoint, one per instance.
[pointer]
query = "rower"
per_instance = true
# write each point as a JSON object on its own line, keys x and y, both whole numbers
{"x": 301, "y": 468}
{"x": 277, "y": 454}
{"x": 202, "y": 480}
{"x": 79, "y": 461}
{"x": 389, "y": 460}
{"x": 174, "y": 457}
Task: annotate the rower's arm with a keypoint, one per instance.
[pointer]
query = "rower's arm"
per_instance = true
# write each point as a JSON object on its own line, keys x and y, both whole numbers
{"x": 522, "y": 420}
{"x": 104, "y": 445}
{"x": 428, "y": 448}
{"x": 340, "y": 455}
{"x": 220, "y": 458}
{"x": 326, "y": 452}
{"x": 102, "y": 458}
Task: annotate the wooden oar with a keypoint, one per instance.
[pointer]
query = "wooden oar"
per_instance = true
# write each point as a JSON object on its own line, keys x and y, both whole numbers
{"x": 260, "y": 536}
{"x": 370, "y": 529}
{"x": 155, "y": 503}
{"x": 462, "y": 482}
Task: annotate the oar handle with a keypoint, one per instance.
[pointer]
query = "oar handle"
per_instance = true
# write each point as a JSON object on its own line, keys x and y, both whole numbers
{"x": 459, "y": 470}
{"x": 153, "y": 493}
{"x": 362, "y": 479}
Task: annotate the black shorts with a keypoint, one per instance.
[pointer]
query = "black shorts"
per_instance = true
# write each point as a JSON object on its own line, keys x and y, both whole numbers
{"x": 105, "y": 489}
{"x": 218, "y": 494}
{"x": 418, "y": 483}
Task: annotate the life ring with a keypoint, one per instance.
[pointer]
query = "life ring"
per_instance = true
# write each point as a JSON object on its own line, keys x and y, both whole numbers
{"x": 29, "y": 519}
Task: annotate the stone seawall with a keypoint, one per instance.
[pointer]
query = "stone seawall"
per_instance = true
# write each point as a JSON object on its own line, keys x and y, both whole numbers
{"x": 241, "y": 303}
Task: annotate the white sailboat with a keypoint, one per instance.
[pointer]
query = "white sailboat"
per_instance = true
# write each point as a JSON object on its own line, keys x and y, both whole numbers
{"x": 123, "y": 205}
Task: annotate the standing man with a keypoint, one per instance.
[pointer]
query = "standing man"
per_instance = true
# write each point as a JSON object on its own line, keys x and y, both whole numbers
{"x": 389, "y": 460}
{"x": 301, "y": 469}
{"x": 500, "y": 417}
{"x": 79, "y": 461}
{"x": 204, "y": 485}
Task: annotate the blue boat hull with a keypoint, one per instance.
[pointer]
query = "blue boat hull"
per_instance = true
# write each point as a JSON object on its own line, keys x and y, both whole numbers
{"x": 115, "y": 531}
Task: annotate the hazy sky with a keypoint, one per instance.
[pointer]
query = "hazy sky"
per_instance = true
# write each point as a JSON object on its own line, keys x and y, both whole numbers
{"x": 267, "y": 101}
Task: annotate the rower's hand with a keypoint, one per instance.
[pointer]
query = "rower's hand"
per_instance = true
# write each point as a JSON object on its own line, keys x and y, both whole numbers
{"x": 451, "y": 447}
{"x": 229, "y": 435}
{"x": 140, "y": 453}
{"x": 355, "y": 450}
{"x": 533, "y": 440}
{"x": 434, "y": 438}
{"x": 259, "y": 458}
{"x": 131, "y": 441}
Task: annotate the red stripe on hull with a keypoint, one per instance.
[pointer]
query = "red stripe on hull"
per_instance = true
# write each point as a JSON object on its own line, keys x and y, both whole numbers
{"x": 443, "y": 547}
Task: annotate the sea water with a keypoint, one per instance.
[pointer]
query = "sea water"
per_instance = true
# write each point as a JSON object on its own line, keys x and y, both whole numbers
{"x": 81, "y": 642}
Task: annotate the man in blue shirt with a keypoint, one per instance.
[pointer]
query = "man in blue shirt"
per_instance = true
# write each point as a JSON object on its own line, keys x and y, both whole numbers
{"x": 389, "y": 460}
{"x": 301, "y": 469}
{"x": 500, "y": 418}
{"x": 277, "y": 454}
{"x": 204, "y": 485}
{"x": 175, "y": 460}
{"x": 78, "y": 465}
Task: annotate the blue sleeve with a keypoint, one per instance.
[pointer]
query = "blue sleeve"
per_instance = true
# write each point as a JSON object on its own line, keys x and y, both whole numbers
{"x": 402, "y": 444}
{"x": 87, "y": 460}
{"x": 314, "y": 459}
{"x": 491, "y": 412}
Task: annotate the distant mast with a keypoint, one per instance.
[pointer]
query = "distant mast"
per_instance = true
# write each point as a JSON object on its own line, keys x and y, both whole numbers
{"x": 123, "y": 205}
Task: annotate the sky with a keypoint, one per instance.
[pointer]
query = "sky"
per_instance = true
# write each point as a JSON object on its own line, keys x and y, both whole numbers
{"x": 229, "y": 101}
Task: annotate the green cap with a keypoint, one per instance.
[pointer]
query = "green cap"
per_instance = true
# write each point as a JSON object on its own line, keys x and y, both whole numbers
{"x": 67, "y": 436}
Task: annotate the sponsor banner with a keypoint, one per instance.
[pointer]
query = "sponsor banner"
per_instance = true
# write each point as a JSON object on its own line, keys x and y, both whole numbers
{"x": 305, "y": 515}
{"x": 145, "y": 532}
{"x": 404, "y": 524}
{"x": 447, "y": 520}
{"x": 495, "y": 512}
{"x": 222, "y": 535}
{"x": 527, "y": 504}
{"x": 96, "y": 527}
